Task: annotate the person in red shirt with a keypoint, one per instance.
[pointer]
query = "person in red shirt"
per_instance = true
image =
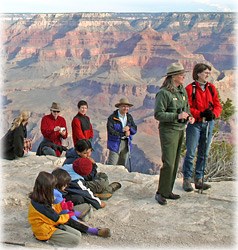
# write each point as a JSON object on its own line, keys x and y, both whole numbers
{"x": 205, "y": 107}
{"x": 53, "y": 129}
{"x": 81, "y": 125}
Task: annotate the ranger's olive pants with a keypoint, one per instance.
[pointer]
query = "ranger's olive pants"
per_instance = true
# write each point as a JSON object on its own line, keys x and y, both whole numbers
{"x": 171, "y": 142}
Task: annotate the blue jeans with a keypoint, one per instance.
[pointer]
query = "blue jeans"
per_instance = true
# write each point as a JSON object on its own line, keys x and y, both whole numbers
{"x": 196, "y": 141}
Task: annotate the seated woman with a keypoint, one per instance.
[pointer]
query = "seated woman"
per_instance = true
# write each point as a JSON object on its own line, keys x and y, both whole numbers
{"x": 15, "y": 143}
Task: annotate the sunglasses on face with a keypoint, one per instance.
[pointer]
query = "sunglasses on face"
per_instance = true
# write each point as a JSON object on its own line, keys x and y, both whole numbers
{"x": 54, "y": 111}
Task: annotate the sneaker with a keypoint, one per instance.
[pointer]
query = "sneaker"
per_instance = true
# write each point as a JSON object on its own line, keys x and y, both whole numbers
{"x": 187, "y": 186}
{"x": 200, "y": 185}
{"x": 115, "y": 186}
{"x": 104, "y": 232}
{"x": 103, "y": 196}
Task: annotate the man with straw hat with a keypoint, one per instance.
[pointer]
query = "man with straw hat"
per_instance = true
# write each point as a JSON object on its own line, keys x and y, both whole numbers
{"x": 172, "y": 112}
{"x": 120, "y": 129}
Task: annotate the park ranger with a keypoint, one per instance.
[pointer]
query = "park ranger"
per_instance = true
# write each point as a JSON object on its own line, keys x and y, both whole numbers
{"x": 172, "y": 112}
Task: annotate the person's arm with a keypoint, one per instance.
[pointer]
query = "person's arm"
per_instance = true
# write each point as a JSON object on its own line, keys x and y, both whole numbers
{"x": 91, "y": 131}
{"x": 64, "y": 133}
{"x": 18, "y": 141}
{"x": 131, "y": 124}
{"x": 217, "y": 107}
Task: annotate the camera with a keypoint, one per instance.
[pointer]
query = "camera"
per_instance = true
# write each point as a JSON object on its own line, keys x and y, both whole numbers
{"x": 62, "y": 129}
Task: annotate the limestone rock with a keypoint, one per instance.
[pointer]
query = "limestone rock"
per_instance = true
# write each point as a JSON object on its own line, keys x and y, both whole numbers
{"x": 132, "y": 214}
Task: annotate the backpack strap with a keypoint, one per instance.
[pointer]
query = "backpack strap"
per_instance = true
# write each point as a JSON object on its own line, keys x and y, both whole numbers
{"x": 194, "y": 90}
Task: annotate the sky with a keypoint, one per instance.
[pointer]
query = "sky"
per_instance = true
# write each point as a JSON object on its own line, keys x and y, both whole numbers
{"x": 62, "y": 6}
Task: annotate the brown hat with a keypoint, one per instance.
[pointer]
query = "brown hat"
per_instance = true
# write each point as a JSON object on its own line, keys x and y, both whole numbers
{"x": 175, "y": 69}
{"x": 83, "y": 166}
{"x": 123, "y": 101}
{"x": 55, "y": 106}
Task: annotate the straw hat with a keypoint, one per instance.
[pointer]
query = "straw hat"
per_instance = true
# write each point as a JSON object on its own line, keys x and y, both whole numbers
{"x": 124, "y": 101}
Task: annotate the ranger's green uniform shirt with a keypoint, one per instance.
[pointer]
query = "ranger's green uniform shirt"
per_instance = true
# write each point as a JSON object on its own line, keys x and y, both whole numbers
{"x": 168, "y": 105}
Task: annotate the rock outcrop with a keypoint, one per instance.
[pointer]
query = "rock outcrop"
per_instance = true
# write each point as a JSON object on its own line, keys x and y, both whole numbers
{"x": 136, "y": 220}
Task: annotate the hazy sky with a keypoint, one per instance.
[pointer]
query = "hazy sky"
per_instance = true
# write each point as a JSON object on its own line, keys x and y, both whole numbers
{"x": 56, "y": 6}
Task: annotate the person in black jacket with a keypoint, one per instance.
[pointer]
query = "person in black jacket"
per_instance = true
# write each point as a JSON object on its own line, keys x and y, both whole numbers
{"x": 15, "y": 143}
{"x": 120, "y": 129}
{"x": 97, "y": 181}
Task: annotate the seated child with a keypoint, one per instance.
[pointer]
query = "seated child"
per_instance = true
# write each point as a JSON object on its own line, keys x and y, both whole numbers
{"x": 46, "y": 220}
{"x": 97, "y": 182}
{"x": 76, "y": 191}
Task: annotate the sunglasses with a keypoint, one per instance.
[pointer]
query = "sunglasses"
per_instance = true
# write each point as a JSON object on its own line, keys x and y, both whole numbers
{"x": 55, "y": 111}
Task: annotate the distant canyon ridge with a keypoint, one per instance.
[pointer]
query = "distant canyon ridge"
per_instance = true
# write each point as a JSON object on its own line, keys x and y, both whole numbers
{"x": 101, "y": 57}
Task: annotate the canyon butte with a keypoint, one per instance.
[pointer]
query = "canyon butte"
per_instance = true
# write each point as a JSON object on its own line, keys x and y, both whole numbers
{"x": 101, "y": 57}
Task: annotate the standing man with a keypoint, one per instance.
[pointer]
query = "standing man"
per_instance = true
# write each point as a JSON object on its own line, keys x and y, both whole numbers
{"x": 120, "y": 129}
{"x": 81, "y": 125}
{"x": 172, "y": 112}
{"x": 53, "y": 129}
{"x": 205, "y": 107}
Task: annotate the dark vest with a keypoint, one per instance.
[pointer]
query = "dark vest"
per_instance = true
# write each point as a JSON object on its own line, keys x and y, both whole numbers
{"x": 84, "y": 120}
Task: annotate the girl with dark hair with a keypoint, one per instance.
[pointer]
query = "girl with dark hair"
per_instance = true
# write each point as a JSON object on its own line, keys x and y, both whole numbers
{"x": 46, "y": 222}
{"x": 63, "y": 180}
{"x": 49, "y": 222}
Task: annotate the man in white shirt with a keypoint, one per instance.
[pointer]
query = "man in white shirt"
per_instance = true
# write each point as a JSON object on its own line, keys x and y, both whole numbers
{"x": 120, "y": 129}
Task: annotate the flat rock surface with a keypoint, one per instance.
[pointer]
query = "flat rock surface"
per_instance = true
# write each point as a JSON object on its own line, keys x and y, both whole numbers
{"x": 136, "y": 220}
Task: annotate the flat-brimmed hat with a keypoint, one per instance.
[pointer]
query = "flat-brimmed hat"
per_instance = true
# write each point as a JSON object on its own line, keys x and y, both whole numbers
{"x": 175, "y": 69}
{"x": 124, "y": 101}
{"x": 55, "y": 106}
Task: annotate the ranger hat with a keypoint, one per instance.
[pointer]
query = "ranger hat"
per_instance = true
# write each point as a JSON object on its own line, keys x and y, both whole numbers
{"x": 175, "y": 69}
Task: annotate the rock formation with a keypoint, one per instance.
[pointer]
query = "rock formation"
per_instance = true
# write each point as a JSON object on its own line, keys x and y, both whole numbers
{"x": 136, "y": 220}
{"x": 101, "y": 57}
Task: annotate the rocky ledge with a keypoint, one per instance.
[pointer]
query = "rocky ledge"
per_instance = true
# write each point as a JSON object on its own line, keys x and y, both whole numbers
{"x": 136, "y": 220}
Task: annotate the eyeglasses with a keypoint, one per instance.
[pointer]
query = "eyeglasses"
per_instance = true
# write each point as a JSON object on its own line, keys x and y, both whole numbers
{"x": 55, "y": 111}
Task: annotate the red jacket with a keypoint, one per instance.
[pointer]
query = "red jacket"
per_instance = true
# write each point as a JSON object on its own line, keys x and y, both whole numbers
{"x": 81, "y": 128}
{"x": 203, "y": 100}
{"x": 48, "y": 123}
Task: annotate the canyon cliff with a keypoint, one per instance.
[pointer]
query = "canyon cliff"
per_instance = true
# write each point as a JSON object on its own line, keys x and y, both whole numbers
{"x": 101, "y": 57}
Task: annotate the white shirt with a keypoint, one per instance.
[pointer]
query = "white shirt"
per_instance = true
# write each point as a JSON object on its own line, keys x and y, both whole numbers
{"x": 123, "y": 119}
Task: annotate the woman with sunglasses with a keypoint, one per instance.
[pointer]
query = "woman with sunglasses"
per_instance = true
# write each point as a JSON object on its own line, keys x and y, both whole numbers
{"x": 53, "y": 129}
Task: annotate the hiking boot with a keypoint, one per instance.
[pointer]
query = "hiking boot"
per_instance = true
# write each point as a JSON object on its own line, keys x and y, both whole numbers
{"x": 103, "y": 196}
{"x": 200, "y": 185}
{"x": 115, "y": 186}
{"x": 172, "y": 196}
{"x": 104, "y": 232}
{"x": 187, "y": 185}
{"x": 161, "y": 200}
